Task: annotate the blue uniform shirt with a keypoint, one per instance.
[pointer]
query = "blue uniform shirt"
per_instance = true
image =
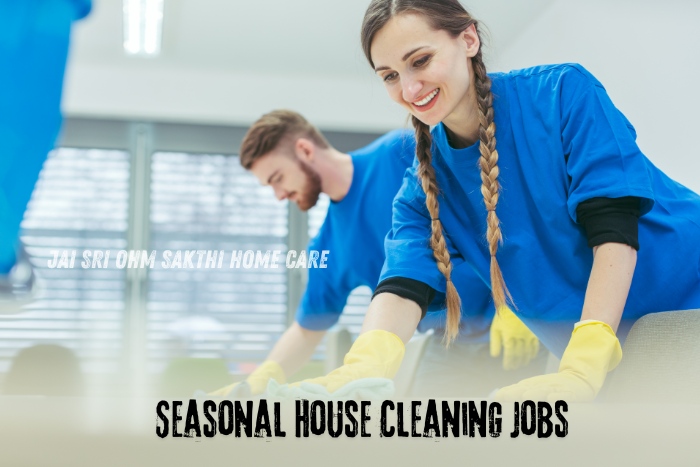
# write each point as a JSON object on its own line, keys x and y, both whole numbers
{"x": 354, "y": 230}
{"x": 560, "y": 141}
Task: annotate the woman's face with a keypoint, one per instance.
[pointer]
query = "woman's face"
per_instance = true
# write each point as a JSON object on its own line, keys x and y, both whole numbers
{"x": 427, "y": 71}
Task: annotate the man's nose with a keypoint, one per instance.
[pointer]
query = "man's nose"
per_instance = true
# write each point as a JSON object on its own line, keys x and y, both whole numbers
{"x": 281, "y": 193}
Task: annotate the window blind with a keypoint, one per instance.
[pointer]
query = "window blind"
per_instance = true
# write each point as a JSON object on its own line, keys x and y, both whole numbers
{"x": 208, "y": 202}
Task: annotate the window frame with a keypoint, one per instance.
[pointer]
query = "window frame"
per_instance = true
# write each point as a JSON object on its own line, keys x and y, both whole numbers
{"x": 141, "y": 139}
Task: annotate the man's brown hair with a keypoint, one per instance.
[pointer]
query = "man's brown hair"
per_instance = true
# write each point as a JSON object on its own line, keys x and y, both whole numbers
{"x": 275, "y": 128}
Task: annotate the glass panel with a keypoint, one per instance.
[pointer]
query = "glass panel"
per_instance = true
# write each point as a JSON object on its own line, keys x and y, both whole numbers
{"x": 209, "y": 203}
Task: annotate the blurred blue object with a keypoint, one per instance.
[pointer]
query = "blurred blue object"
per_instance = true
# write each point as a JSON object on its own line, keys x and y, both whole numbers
{"x": 34, "y": 38}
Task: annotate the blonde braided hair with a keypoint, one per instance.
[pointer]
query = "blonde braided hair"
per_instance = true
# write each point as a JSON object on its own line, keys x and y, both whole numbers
{"x": 450, "y": 16}
{"x": 488, "y": 162}
{"x": 426, "y": 175}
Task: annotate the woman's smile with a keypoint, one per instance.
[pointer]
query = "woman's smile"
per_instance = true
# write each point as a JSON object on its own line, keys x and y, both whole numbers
{"x": 426, "y": 102}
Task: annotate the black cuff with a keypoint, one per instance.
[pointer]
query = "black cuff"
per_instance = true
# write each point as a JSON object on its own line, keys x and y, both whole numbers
{"x": 410, "y": 289}
{"x": 609, "y": 220}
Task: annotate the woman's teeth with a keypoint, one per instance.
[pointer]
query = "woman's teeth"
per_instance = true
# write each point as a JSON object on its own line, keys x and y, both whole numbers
{"x": 427, "y": 98}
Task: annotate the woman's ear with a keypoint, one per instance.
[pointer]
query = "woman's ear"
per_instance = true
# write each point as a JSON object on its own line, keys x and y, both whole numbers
{"x": 471, "y": 40}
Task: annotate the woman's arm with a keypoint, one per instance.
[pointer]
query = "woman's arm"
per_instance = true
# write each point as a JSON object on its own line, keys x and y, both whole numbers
{"x": 609, "y": 283}
{"x": 394, "y": 314}
{"x": 593, "y": 349}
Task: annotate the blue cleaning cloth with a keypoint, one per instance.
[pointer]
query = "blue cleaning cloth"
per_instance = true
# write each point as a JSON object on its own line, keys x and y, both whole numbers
{"x": 364, "y": 389}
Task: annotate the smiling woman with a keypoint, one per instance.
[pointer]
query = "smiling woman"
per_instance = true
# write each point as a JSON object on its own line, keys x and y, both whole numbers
{"x": 580, "y": 200}
{"x": 438, "y": 79}
{"x": 432, "y": 70}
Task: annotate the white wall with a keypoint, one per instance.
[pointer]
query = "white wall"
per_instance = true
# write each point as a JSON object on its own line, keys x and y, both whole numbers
{"x": 229, "y": 61}
{"x": 645, "y": 52}
{"x": 224, "y": 97}
{"x": 647, "y": 55}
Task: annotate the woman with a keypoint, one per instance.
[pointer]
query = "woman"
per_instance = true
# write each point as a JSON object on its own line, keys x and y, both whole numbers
{"x": 540, "y": 161}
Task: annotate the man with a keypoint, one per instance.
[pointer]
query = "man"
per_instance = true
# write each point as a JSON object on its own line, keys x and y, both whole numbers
{"x": 289, "y": 154}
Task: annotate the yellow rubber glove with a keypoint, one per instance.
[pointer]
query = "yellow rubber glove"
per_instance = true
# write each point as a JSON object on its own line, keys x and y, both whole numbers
{"x": 257, "y": 380}
{"x": 592, "y": 351}
{"x": 375, "y": 354}
{"x": 519, "y": 344}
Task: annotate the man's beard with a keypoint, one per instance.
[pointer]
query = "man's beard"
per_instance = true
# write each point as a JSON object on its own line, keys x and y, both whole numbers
{"x": 312, "y": 187}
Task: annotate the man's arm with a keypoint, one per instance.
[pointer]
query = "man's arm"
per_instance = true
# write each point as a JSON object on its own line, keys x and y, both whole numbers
{"x": 289, "y": 354}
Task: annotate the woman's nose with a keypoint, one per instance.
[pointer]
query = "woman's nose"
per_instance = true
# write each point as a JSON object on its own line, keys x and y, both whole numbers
{"x": 411, "y": 89}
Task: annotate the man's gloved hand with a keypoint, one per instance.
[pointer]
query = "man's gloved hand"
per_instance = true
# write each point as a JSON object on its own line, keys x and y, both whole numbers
{"x": 519, "y": 344}
{"x": 592, "y": 351}
{"x": 375, "y": 354}
{"x": 256, "y": 382}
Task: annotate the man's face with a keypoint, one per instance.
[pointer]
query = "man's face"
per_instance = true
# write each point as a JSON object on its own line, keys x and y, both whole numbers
{"x": 290, "y": 178}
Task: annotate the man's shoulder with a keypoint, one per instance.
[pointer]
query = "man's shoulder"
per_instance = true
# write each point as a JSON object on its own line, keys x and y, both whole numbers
{"x": 401, "y": 140}
{"x": 396, "y": 148}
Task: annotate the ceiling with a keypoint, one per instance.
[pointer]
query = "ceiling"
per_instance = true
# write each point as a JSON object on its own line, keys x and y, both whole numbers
{"x": 308, "y": 37}
{"x": 229, "y": 61}
{"x": 226, "y": 62}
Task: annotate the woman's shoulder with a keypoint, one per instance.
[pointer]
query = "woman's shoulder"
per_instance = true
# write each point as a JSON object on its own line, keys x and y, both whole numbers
{"x": 554, "y": 73}
{"x": 567, "y": 81}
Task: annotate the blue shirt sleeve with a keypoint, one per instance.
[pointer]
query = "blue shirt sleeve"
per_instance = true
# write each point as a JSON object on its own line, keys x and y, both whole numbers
{"x": 603, "y": 159}
{"x": 326, "y": 293}
{"x": 407, "y": 245}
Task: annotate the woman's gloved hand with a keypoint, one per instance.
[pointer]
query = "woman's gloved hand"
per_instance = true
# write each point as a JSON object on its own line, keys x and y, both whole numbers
{"x": 375, "y": 354}
{"x": 519, "y": 344}
{"x": 592, "y": 351}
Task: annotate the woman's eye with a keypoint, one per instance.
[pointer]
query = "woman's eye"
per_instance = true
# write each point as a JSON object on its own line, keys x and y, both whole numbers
{"x": 390, "y": 77}
{"x": 421, "y": 61}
